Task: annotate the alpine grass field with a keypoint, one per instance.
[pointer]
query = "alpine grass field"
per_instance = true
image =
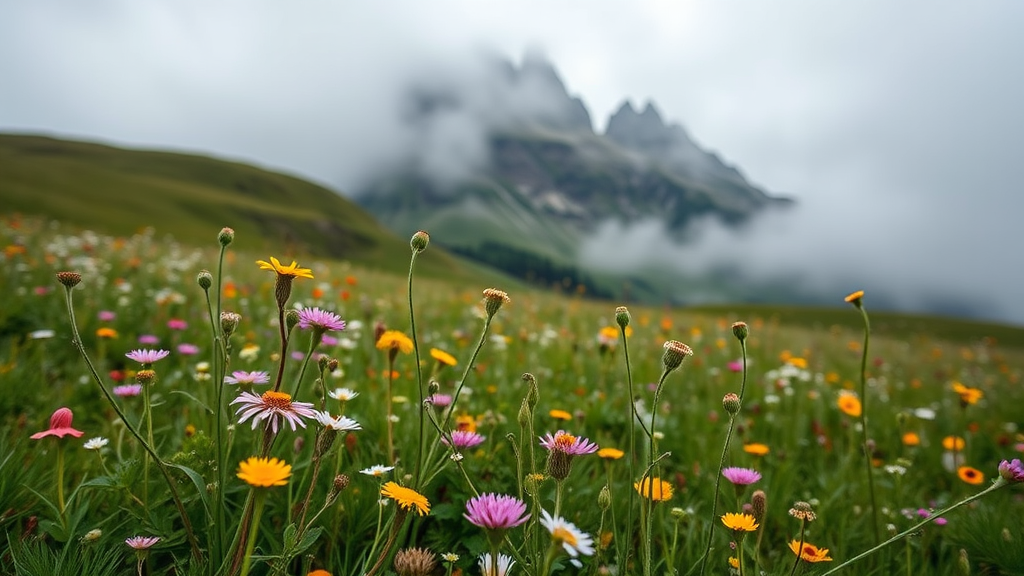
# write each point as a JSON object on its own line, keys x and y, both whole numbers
{"x": 200, "y": 413}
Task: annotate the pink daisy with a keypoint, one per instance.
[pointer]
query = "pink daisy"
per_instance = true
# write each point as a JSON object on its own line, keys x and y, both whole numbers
{"x": 463, "y": 439}
{"x": 320, "y": 319}
{"x": 566, "y": 443}
{"x": 188, "y": 349}
{"x": 142, "y": 542}
{"x": 496, "y": 511}
{"x": 60, "y": 425}
{"x": 250, "y": 378}
{"x": 272, "y": 406}
{"x": 441, "y": 400}
{"x": 177, "y": 324}
{"x": 145, "y": 357}
{"x": 127, "y": 390}
{"x": 741, "y": 476}
{"x": 1012, "y": 471}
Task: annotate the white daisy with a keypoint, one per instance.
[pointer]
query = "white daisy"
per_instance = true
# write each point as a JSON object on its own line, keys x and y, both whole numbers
{"x": 338, "y": 424}
{"x": 342, "y": 394}
{"x": 574, "y": 541}
{"x": 488, "y": 568}
{"x": 377, "y": 470}
{"x": 96, "y": 443}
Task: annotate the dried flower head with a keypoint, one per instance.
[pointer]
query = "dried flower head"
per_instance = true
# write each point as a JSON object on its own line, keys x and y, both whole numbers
{"x": 675, "y": 353}
{"x": 802, "y": 511}
{"x": 415, "y": 562}
{"x": 493, "y": 300}
{"x": 69, "y": 279}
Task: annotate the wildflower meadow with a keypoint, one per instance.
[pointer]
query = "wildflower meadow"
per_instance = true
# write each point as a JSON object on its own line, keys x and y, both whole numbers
{"x": 210, "y": 411}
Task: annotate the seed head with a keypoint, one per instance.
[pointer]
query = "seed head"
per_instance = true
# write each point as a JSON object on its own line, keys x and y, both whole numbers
{"x": 415, "y": 562}
{"x": 675, "y": 353}
{"x": 493, "y": 300}
{"x": 204, "y": 279}
{"x": 69, "y": 279}
{"x": 802, "y": 511}
{"x": 229, "y": 323}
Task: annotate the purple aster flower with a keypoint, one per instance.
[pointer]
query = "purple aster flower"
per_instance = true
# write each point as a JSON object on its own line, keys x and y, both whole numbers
{"x": 463, "y": 439}
{"x": 127, "y": 390}
{"x": 188, "y": 349}
{"x": 441, "y": 400}
{"x": 566, "y": 443}
{"x": 177, "y": 324}
{"x": 149, "y": 340}
{"x": 142, "y": 542}
{"x": 496, "y": 511}
{"x": 735, "y": 366}
{"x": 328, "y": 340}
{"x": 145, "y": 357}
{"x": 1012, "y": 471}
{"x": 272, "y": 406}
{"x": 106, "y": 315}
{"x": 298, "y": 355}
{"x": 250, "y": 378}
{"x": 320, "y": 319}
{"x": 741, "y": 476}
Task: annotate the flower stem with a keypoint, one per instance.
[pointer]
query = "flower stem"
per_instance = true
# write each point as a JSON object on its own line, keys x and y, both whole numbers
{"x": 254, "y": 528}
{"x": 800, "y": 547}
{"x": 419, "y": 375}
{"x": 864, "y": 423}
{"x": 60, "y": 484}
{"x": 634, "y": 417}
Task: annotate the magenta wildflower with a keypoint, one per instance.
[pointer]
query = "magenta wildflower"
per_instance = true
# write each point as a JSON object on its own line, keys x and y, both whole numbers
{"x": 272, "y": 406}
{"x": 188, "y": 349}
{"x": 320, "y": 320}
{"x": 735, "y": 366}
{"x": 142, "y": 542}
{"x": 741, "y": 476}
{"x": 106, "y": 316}
{"x": 298, "y": 355}
{"x": 127, "y": 390}
{"x": 1012, "y": 470}
{"x": 177, "y": 324}
{"x": 441, "y": 400}
{"x": 146, "y": 357}
{"x": 463, "y": 439}
{"x": 250, "y": 378}
{"x": 328, "y": 340}
{"x": 566, "y": 443}
{"x": 60, "y": 425}
{"x": 149, "y": 340}
{"x": 496, "y": 511}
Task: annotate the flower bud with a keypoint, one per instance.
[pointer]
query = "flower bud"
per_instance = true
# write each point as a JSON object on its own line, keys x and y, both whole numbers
{"x": 759, "y": 505}
{"x": 524, "y": 417}
{"x": 675, "y": 353}
{"x": 229, "y": 323}
{"x": 226, "y": 236}
{"x": 69, "y": 279}
{"x": 337, "y": 487}
{"x": 622, "y": 317}
{"x": 731, "y": 403}
{"x": 145, "y": 376}
{"x": 433, "y": 387}
{"x": 419, "y": 241}
{"x": 532, "y": 392}
{"x": 493, "y": 300}
{"x": 291, "y": 318}
{"x": 204, "y": 279}
{"x": 332, "y": 364}
{"x": 91, "y": 536}
{"x": 322, "y": 362}
{"x": 740, "y": 331}
{"x": 963, "y": 563}
{"x": 604, "y": 498}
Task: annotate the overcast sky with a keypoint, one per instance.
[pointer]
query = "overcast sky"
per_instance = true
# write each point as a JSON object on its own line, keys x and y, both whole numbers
{"x": 898, "y": 126}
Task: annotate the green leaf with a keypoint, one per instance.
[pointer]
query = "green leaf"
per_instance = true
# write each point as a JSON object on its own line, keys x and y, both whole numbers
{"x": 200, "y": 486}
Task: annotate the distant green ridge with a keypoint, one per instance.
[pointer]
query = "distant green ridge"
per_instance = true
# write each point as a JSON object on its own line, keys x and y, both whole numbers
{"x": 120, "y": 191}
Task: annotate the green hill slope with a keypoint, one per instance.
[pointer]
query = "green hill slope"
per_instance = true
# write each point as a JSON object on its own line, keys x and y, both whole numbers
{"x": 119, "y": 191}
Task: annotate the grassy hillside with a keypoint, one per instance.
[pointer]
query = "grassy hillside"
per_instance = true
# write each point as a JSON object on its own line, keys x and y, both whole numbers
{"x": 119, "y": 191}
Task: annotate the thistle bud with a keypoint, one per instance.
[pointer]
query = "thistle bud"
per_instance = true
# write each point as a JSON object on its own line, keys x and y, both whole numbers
{"x": 419, "y": 241}
{"x": 604, "y": 498}
{"x": 759, "y": 505}
{"x": 740, "y": 330}
{"x": 622, "y": 317}
{"x": 229, "y": 323}
{"x": 731, "y": 403}
{"x": 322, "y": 362}
{"x": 291, "y": 318}
{"x": 433, "y": 387}
{"x": 332, "y": 364}
{"x": 204, "y": 279}
{"x": 559, "y": 464}
{"x": 337, "y": 487}
{"x": 226, "y": 236}
{"x": 532, "y": 392}
{"x": 69, "y": 279}
{"x": 493, "y": 300}
{"x": 524, "y": 416}
{"x": 675, "y": 353}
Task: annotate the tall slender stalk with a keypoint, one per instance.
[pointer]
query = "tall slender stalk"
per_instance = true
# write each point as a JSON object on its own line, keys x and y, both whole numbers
{"x": 419, "y": 369}
{"x": 197, "y": 553}
{"x": 864, "y": 419}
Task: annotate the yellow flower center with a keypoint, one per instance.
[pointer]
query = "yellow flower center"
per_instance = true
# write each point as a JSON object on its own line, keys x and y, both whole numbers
{"x": 563, "y": 535}
{"x": 278, "y": 400}
{"x": 564, "y": 441}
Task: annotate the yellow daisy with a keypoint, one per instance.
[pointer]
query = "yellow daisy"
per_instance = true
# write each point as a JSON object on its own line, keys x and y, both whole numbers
{"x": 406, "y": 497}
{"x": 442, "y": 357}
{"x": 264, "y": 472}
{"x": 739, "y": 522}
{"x": 394, "y": 340}
{"x": 292, "y": 269}
{"x": 654, "y": 489}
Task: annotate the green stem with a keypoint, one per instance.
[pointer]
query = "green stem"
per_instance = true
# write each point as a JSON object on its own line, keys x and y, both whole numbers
{"x": 999, "y": 483}
{"x": 60, "y": 484}
{"x": 800, "y": 547}
{"x": 631, "y": 452}
{"x": 390, "y": 424}
{"x": 864, "y": 423}
{"x": 171, "y": 484}
{"x": 314, "y": 341}
{"x": 419, "y": 375}
{"x": 254, "y": 528}
{"x": 283, "y": 332}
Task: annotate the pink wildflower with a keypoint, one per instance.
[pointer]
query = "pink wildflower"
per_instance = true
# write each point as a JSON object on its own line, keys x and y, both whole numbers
{"x": 60, "y": 425}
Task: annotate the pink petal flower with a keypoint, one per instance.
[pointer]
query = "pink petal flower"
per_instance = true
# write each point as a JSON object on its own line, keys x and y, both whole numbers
{"x": 60, "y": 425}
